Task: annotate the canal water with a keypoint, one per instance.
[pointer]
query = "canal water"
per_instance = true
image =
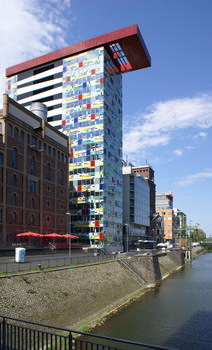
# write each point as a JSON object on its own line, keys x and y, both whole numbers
{"x": 177, "y": 314}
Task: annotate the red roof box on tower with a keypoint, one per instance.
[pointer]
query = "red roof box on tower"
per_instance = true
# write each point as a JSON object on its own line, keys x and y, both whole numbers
{"x": 126, "y": 46}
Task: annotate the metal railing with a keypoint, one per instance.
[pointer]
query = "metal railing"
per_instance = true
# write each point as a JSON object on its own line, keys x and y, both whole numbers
{"x": 51, "y": 262}
{"x": 54, "y": 261}
{"x": 20, "y": 334}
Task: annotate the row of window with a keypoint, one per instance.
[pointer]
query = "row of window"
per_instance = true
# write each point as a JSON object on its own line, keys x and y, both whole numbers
{"x": 32, "y": 202}
{"x": 87, "y": 193}
{"x": 32, "y": 167}
{"x": 33, "y": 184}
{"x": 84, "y": 231}
{"x": 48, "y": 170}
{"x": 80, "y": 206}
{"x": 84, "y": 218}
{"x": 85, "y": 170}
{"x": 141, "y": 171}
{"x": 33, "y": 141}
{"x": 32, "y": 218}
{"x": 14, "y": 201}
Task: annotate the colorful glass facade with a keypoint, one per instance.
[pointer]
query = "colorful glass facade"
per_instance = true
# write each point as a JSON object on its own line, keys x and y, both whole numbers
{"x": 92, "y": 117}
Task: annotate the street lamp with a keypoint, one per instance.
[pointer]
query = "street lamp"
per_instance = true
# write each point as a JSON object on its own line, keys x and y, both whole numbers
{"x": 69, "y": 232}
{"x": 127, "y": 232}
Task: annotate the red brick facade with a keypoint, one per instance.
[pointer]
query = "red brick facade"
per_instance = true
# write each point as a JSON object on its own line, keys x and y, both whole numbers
{"x": 33, "y": 174}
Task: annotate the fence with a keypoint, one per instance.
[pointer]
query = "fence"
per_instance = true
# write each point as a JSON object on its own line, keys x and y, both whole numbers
{"x": 18, "y": 334}
{"x": 52, "y": 261}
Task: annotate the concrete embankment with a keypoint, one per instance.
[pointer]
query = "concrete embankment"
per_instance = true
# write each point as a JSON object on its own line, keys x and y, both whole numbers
{"x": 81, "y": 297}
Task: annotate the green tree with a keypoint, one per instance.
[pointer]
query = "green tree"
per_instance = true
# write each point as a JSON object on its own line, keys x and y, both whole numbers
{"x": 197, "y": 234}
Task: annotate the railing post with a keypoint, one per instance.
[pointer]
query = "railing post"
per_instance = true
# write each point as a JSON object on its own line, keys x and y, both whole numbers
{"x": 4, "y": 334}
{"x": 70, "y": 341}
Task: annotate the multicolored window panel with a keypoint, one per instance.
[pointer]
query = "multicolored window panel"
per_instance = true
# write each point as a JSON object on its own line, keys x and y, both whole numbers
{"x": 11, "y": 87}
{"x": 92, "y": 117}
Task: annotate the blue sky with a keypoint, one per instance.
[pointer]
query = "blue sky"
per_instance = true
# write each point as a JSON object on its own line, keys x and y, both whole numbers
{"x": 167, "y": 109}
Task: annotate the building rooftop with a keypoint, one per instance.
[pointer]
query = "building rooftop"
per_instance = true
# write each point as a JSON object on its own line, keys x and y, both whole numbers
{"x": 34, "y": 122}
{"x": 170, "y": 195}
{"x": 142, "y": 166}
{"x": 125, "y": 46}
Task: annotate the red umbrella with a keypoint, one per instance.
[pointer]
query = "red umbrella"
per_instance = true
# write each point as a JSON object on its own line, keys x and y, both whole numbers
{"x": 53, "y": 235}
{"x": 71, "y": 236}
{"x": 29, "y": 234}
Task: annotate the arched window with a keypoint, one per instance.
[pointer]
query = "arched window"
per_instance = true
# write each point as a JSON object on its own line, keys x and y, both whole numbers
{"x": 9, "y": 130}
{"x": 14, "y": 158}
{"x": 48, "y": 171}
{"x": 14, "y": 180}
{"x": 33, "y": 141}
{"x": 14, "y": 199}
{"x": 61, "y": 177}
{"x": 32, "y": 203}
{"x": 32, "y": 220}
{"x": 22, "y": 135}
{"x": 14, "y": 217}
{"x": 1, "y": 158}
{"x": 32, "y": 166}
{"x": 16, "y": 133}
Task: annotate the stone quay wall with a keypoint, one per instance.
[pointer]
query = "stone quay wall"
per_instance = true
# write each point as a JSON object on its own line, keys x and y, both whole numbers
{"x": 82, "y": 297}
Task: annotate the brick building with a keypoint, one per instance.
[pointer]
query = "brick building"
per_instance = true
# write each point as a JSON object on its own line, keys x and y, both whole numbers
{"x": 33, "y": 174}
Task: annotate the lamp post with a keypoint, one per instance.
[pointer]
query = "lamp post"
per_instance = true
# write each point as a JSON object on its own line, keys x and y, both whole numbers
{"x": 127, "y": 233}
{"x": 69, "y": 232}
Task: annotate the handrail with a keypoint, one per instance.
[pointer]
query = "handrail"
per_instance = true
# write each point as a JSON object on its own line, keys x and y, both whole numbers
{"x": 4, "y": 337}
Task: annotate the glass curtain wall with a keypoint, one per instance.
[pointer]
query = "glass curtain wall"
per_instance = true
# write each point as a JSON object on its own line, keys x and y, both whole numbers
{"x": 92, "y": 117}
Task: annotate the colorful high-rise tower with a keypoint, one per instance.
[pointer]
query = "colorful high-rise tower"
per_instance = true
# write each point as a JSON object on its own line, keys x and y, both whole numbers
{"x": 81, "y": 86}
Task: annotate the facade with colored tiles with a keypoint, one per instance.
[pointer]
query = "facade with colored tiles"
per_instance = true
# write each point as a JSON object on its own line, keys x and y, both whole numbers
{"x": 81, "y": 86}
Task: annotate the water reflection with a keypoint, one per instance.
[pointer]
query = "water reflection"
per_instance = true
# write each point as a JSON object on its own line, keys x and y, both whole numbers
{"x": 199, "y": 326}
{"x": 178, "y": 314}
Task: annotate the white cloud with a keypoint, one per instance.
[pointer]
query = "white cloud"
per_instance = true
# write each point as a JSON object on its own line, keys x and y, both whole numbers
{"x": 190, "y": 179}
{"x": 190, "y": 147}
{"x": 178, "y": 152}
{"x": 202, "y": 134}
{"x": 29, "y": 29}
{"x": 163, "y": 119}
